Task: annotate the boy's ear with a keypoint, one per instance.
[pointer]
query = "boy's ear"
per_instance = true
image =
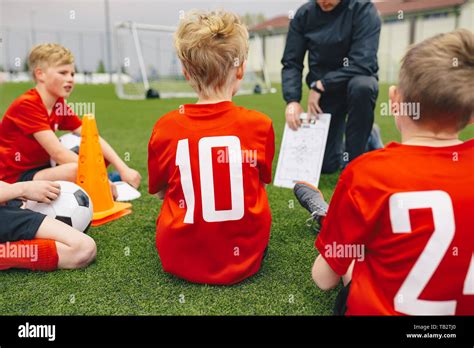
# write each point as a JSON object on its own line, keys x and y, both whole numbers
{"x": 38, "y": 74}
{"x": 392, "y": 93}
{"x": 241, "y": 70}
{"x": 185, "y": 73}
{"x": 395, "y": 99}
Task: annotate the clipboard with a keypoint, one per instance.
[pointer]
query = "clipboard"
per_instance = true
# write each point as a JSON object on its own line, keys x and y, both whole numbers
{"x": 302, "y": 153}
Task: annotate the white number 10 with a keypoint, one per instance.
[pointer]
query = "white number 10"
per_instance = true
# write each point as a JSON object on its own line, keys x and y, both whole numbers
{"x": 183, "y": 161}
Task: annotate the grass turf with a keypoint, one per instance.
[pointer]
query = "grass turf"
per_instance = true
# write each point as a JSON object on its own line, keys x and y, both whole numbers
{"x": 127, "y": 279}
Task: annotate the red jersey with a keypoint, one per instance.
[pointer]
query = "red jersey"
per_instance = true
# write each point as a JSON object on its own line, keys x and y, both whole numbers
{"x": 213, "y": 161}
{"x": 405, "y": 214}
{"x": 19, "y": 150}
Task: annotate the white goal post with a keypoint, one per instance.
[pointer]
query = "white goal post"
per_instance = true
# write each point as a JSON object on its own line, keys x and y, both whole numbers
{"x": 148, "y": 67}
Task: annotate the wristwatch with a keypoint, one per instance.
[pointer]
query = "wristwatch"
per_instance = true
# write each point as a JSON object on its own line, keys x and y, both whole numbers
{"x": 314, "y": 87}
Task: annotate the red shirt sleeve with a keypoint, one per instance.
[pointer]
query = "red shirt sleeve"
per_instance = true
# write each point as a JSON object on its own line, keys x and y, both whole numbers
{"x": 30, "y": 117}
{"x": 344, "y": 228}
{"x": 67, "y": 119}
{"x": 157, "y": 178}
{"x": 266, "y": 167}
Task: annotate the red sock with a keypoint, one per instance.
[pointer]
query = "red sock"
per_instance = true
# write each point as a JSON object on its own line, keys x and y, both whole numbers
{"x": 35, "y": 254}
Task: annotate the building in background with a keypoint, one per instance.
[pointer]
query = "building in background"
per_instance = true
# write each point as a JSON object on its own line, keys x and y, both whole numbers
{"x": 404, "y": 22}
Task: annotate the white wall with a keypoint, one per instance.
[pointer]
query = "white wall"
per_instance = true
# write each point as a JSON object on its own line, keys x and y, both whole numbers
{"x": 254, "y": 60}
{"x": 274, "y": 47}
{"x": 467, "y": 16}
{"x": 429, "y": 27}
{"x": 394, "y": 40}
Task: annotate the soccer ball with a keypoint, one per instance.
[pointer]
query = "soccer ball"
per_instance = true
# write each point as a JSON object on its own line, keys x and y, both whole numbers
{"x": 73, "y": 207}
{"x": 71, "y": 142}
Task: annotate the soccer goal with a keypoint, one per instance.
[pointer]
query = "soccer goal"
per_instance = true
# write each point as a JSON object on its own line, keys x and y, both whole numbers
{"x": 148, "y": 67}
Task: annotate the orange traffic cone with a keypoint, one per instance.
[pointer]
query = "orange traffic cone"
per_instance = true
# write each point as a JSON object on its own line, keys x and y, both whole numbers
{"x": 92, "y": 176}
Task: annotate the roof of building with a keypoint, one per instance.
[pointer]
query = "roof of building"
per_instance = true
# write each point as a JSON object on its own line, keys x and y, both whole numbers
{"x": 274, "y": 23}
{"x": 385, "y": 7}
{"x": 391, "y": 7}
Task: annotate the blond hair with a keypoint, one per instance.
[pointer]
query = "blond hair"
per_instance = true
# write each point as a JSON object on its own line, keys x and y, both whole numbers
{"x": 438, "y": 73}
{"x": 210, "y": 45}
{"x": 47, "y": 55}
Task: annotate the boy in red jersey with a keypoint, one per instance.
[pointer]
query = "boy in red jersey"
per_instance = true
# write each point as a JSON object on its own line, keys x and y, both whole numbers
{"x": 210, "y": 161}
{"x": 27, "y": 139}
{"x": 27, "y": 142}
{"x": 399, "y": 226}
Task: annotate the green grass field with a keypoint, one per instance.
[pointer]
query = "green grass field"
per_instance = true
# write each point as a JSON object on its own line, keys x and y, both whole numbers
{"x": 122, "y": 283}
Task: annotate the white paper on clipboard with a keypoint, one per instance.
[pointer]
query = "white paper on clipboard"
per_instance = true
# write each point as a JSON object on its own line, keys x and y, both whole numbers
{"x": 302, "y": 152}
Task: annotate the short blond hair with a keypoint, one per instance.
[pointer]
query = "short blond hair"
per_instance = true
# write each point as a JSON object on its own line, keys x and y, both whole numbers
{"x": 210, "y": 45}
{"x": 47, "y": 55}
{"x": 438, "y": 73}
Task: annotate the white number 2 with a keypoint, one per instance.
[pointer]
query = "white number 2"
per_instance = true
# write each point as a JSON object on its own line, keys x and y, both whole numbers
{"x": 407, "y": 299}
{"x": 183, "y": 161}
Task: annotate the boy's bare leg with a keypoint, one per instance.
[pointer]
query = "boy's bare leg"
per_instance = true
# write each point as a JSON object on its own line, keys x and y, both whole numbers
{"x": 65, "y": 172}
{"x": 75, "y": 249}
{"x": 346, "y": 278}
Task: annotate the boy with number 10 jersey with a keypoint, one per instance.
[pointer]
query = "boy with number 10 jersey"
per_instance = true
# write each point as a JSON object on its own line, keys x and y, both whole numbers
{"x": 210, "y": 162}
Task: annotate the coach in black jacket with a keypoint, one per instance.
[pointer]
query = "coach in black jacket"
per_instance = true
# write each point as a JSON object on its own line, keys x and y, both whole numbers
{"x": 342, "y": 38}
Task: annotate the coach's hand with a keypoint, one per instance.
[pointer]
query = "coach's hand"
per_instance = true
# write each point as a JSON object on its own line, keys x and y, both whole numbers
{"x": 292, "y": 114}
{"x": 40, "y": 191}
{"x": 131, "y": 176}
{"x": 313, "y": 104}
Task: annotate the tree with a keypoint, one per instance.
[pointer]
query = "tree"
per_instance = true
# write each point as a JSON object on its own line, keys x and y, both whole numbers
{"x": 25, "y": 65}
{"x": 101, "y": 67}
{"x": 252, "y": 19}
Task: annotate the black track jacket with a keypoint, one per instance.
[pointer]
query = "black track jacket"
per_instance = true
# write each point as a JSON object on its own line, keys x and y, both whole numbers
{"x": 342, "y": 43}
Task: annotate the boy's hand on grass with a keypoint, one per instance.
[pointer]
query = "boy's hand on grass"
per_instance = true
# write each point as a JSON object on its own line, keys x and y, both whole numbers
{"x": 113, "y": 188}
{"x": 40, "y": 191}
{"x": 131, "y": 176}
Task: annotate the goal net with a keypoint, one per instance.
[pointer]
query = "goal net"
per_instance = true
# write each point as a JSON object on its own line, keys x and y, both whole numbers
{"x": 148, "y": 66}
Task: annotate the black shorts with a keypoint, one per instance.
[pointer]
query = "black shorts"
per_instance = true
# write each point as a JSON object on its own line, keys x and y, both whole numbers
{"x": 18, "y": 224}
{"x": 340, "y": 307}
{"x": 30, "y": 174}
{"x": 265, "y": 252}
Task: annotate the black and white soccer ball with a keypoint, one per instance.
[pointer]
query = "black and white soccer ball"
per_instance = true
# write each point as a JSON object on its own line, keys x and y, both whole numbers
{"x": 71, "y": 142}
{"x": 73, "y": 207}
